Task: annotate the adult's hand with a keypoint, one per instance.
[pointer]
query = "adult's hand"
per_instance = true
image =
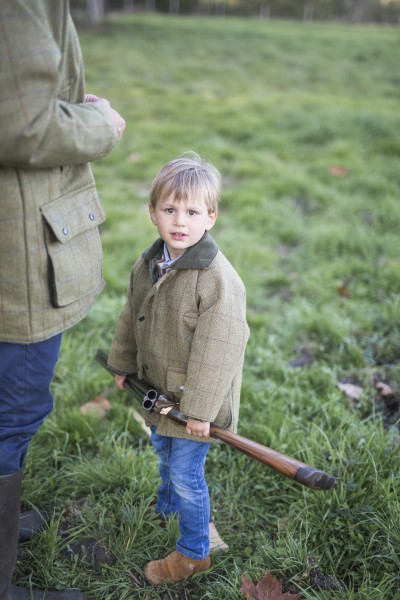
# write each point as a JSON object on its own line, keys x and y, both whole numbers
{"x": 119, "y": 122}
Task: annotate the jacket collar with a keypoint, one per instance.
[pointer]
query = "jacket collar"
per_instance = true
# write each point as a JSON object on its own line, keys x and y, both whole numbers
{"x": 199, "y": 256}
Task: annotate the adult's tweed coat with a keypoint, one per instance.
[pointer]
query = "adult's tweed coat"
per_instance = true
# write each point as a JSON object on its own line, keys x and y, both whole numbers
{"x": 50, "y": 250}
{"x": 186, "y": 334}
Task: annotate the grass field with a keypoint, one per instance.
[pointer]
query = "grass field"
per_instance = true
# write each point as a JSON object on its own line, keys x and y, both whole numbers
{"x": 303, "y": 122}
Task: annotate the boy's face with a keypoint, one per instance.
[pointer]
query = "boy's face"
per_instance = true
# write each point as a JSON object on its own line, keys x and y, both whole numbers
{"x": 181, "y": 223}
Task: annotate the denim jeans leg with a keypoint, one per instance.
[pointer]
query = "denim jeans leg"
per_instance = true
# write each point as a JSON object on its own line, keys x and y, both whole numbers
{"x": 26, "y": 371}
{"x": 167, "y": 500}
{"x": 187, "y": 475}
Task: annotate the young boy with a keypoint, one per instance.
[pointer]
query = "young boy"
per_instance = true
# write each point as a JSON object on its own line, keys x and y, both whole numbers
{"x": 183, "y": 329}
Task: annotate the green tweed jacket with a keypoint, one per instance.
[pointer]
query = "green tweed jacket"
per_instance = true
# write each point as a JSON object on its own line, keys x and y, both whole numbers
{"x": 186, "y": 333}
{"x": 50, "y": 249}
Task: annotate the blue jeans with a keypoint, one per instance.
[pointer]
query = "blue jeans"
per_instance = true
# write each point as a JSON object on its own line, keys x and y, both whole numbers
{"x": 184, "y": 491}
{"x": 26, "y": 371}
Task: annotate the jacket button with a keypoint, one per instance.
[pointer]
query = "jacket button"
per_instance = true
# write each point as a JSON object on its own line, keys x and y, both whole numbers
{"x": 141, "y": 318}
{"x": 65, "y": 230}
{"x": 91, "y": 216}
{"x": 145, "y": 367}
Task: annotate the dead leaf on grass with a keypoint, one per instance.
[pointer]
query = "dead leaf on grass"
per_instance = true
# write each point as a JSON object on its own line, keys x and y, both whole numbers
{"x": 384, "y": 389}
{"x": 268, "y": 588}
{"x": 350, "y": 390}
{"x": 343, "y": 291}
{"x": 98, "y": 406}
{"x": 388, "y": 396}
{"x": 337, "y": 171}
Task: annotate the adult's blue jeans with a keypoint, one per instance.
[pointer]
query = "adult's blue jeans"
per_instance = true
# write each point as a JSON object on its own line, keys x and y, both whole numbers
{"x": 184, "y": 491}
{"x": 26, "y": 371}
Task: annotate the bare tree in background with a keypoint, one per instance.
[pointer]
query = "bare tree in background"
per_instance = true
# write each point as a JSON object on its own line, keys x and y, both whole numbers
{"x": 308, "y": 10}
{"x": 174, "y": 6}
{"x": 95, "y": 10}
{"x": 265, "y": 10}
{"x": 357, "y": 10}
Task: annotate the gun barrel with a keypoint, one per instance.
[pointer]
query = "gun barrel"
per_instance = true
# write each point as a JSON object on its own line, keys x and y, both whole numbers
{"x": 149, "y": 400}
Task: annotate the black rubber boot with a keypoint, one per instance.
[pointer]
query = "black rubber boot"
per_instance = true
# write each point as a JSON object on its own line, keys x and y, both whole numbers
{"x": 10, "y": 496}
{"x": 30, "y": 523}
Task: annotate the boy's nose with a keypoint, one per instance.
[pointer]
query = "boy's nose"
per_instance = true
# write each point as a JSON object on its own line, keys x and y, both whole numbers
{"x": 179, "y": 219}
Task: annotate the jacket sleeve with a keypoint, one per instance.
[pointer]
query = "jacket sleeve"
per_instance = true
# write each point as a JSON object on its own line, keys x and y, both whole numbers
{"x": 39, "y": 126}
{"x": 217, "y": 349}
{"x": 123, "y": 352}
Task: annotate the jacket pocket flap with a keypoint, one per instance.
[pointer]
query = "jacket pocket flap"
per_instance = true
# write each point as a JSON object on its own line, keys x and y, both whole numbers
{"x": 74, "y": 213}
{"x": 176, "y": 381}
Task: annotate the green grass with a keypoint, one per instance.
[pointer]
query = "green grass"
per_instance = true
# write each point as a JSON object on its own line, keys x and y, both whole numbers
{"x": 274, "y": 106}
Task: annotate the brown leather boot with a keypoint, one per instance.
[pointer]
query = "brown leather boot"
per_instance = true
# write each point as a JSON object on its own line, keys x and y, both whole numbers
{"x": 174, "y": 567}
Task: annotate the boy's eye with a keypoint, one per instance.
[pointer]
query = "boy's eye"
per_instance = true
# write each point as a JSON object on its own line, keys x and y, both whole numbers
{"x": 169, "y": 210}
{"x": 192, "y": 212}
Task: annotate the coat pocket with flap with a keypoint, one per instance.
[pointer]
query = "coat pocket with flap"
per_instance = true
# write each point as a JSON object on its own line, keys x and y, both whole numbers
{"x": 176, "y": 378}
{"x": 73, "y": 245}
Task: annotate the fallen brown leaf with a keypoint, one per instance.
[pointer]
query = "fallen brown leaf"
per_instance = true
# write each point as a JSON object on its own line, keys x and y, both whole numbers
{"x": 343, "y": 288}
{"x": 338, "y": 171}
{"x": 350, "y": 390}
{"x": 268, "y": 588}
{"x": 98, "y": 406}
{"x": 388, "y": 396}
{"x": 343, "y": 291}
{"x": 384, "y": 389}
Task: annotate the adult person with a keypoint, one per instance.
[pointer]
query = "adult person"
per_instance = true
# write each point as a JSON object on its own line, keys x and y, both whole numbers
{"x": 50, "y": 249}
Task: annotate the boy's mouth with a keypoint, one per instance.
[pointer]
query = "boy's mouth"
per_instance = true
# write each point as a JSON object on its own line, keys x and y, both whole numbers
{"x": 178, "y": 234}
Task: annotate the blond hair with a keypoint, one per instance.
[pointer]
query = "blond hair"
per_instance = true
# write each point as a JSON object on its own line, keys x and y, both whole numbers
{"x": 187, "y": 177}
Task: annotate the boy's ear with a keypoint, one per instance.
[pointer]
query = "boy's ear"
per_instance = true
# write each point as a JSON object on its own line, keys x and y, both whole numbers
{"x": 212, "y": 217}
{"x": 152, "y": 214}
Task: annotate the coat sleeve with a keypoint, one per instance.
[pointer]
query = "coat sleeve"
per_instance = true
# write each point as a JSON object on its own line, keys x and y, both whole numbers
{"x": 40, "y": 127}
{"x": 123, "y": 352}
{"x": 217, "y": 349}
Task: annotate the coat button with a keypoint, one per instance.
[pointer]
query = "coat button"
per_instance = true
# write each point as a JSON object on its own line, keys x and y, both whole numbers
{"x": 91, "y": 216}
{"x": 145, "y": 367}
{"x": 65, "y": 230}
{"x": 141, "y": 318}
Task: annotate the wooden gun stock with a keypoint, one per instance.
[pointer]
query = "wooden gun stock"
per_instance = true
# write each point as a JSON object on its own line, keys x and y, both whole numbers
{"x": 153, "y": 401}
{"x": 290, "y": 467}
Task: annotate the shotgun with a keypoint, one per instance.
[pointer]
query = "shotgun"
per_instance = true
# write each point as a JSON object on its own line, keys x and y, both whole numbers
{"x": 154, "y": 401}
